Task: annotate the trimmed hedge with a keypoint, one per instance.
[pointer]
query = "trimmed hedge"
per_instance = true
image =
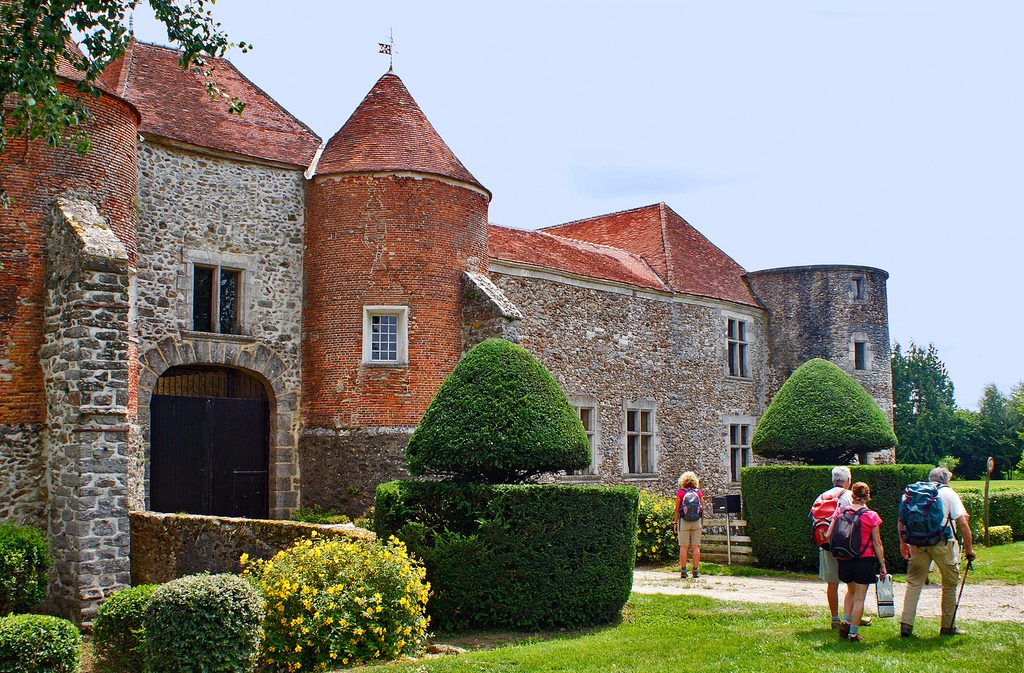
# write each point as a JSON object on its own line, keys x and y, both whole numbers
{"x": 516, "y": 556}
{"x": 777, "y": 499}
{"x": 38, "y": 644}
{"x": 1005, "y": 508}
{"x": 821, "y": 416}
{"x": 24, "y": 562}
{"x": 204, "y": 623}
{"x": 119, "y": 630}
{"x": 499, "y": 417}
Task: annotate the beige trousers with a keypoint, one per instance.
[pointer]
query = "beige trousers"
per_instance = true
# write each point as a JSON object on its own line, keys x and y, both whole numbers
{"x": 947, "y": 559}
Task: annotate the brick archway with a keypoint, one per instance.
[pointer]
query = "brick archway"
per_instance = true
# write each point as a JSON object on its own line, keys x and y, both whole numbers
{"x": 255, "y": 359}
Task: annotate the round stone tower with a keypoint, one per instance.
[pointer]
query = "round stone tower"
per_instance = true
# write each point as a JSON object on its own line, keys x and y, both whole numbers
{"x": 393, "y": 221}
{"x": 836, "y": 312}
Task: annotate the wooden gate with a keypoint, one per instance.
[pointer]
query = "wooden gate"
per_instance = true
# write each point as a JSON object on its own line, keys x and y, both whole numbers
{"x": 209, "y": 439}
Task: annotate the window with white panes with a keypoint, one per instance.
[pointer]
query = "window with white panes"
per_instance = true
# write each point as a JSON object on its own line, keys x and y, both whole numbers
{"x": 739, "y": 449}
{"x": 639, "y": 441}
{"x": 385, "y": 335}
{"x": 736, "y": 337}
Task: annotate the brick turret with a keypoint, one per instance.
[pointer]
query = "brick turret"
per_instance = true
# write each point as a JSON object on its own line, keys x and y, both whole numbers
{"x": 393, "y": 220}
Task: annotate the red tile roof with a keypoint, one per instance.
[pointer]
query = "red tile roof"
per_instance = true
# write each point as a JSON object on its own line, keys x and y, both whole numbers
{"x": 678, "y": 253}
{"x": 580, "y": 258}
{"x": 389, "y": 132}
{"x": 175, "y": 105}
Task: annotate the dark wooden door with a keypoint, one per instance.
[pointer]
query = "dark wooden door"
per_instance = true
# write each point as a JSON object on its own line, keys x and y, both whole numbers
{"x": 208, "y": 455}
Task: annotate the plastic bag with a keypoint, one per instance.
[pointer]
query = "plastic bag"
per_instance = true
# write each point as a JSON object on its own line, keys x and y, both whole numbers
{"x": 883, "y": 593}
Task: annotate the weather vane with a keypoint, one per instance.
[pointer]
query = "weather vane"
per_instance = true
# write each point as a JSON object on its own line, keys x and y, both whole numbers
{"x": 388, "y": 49}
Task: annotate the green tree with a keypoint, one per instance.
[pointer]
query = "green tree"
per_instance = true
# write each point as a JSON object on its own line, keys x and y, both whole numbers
{"x": 923, "y": 403}
{"x": 36, "y": 36}
{"x": 499, "y": 417}
{"x": 999, "y": 433}
{"x": 821, "y": 416}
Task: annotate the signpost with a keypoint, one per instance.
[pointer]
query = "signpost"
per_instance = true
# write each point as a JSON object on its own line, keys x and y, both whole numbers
{"x": 989, "y": 466}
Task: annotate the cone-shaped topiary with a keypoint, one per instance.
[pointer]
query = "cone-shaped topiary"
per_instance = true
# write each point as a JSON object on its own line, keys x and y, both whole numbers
{"x": 821, "y": 416}
{"x": 499, "y": 417}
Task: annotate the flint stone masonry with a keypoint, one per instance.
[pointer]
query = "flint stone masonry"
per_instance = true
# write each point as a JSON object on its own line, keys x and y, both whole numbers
{"x": 85, "y": 359}
{"x": 623, "y": 348}
{"x": 342, "y": 468}
{"x": 486, "y": 311}
{"x": 167, "y": 546}
{"x": 203, "y": 209}
{"x": 22, "y": 474}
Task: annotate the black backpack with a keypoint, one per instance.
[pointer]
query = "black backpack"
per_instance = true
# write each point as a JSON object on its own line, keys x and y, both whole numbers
{"x": 690, "y": 508}
{"x": 846, "y": 540}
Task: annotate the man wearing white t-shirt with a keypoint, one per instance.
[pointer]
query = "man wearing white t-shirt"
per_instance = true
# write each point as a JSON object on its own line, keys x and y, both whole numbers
{"x": 945, "y": 554}
{"x": 828, "y": 567}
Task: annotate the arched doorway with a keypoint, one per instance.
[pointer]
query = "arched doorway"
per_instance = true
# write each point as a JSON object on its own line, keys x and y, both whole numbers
{"x": 209, "y": 442}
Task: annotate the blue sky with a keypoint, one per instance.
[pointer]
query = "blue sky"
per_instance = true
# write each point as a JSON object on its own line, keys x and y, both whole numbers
{"x": 789, "y": 132}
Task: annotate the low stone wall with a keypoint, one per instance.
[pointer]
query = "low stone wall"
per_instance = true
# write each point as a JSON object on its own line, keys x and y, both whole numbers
{"x": 168, "y": 546}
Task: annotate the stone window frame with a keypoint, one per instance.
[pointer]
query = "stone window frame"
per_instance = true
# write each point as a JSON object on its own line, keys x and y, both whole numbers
{"x": 402, "y": 312}
{"x": 748, "y": 455}
{"x": 640, "y": 405}
{"x": 746, "y": 348}
{"x": 589, "y": 402}
{"x": 246, "y": 265}
{"x": 861, "y": 338}
{"x": 859, "y": 289}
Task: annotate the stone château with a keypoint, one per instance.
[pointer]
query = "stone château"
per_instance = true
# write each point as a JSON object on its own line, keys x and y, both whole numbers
{"x": 225, "y": 315}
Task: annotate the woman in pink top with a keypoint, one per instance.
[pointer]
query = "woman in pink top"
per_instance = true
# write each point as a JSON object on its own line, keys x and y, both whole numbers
{"x": 859, "y": 573}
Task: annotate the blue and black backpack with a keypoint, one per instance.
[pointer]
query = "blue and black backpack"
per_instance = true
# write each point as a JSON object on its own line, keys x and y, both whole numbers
{"x": 922, "y": 516}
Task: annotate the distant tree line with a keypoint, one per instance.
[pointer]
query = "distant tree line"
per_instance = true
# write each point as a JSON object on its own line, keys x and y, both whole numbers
{"x": 931, "y": 429}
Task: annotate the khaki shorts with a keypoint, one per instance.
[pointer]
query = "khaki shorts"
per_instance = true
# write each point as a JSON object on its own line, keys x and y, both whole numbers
{"x": 689, "y": 532}
{"x": 828, "y": 567}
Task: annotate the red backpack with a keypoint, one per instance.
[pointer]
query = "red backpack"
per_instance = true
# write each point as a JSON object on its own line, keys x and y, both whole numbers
{"x": 822, "y": 511}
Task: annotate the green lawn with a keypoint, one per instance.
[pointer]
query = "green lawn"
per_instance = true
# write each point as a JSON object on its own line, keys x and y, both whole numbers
{"x": 669, "y": 634}
{"x": 994, "y": 485}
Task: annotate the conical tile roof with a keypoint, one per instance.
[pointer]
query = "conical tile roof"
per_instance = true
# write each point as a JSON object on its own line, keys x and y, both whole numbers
{"x": 389, "y": 132}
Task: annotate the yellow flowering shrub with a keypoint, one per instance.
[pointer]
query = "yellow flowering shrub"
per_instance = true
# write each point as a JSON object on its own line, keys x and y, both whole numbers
{"x": 656, "y": 540}
{"x": 337, "y": 603}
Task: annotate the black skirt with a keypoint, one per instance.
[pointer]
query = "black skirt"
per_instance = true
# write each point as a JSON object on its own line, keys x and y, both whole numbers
{"x": 858, "y": 570}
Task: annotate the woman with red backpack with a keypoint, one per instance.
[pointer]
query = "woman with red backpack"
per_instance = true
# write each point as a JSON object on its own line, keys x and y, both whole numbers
{"x": 856, "y": 542}
{"x": 689, "y": 522}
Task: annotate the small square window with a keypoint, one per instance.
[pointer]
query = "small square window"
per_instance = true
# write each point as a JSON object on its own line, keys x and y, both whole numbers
{"x": 385, "y": 335}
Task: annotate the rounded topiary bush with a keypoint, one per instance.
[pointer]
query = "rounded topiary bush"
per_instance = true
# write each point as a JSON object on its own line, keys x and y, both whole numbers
{"x": 24, "y": 562}
{"x": 336, "y": 602}
{"x": 656, "y": 540}
{"x": 38, "y": 644}
{"x": 998, "y": 535}
{"x": 499, "y": 417}
{"x": 204, "y": 623}
{"x": 821, "y": 416}
{"x": 119, "y": 630}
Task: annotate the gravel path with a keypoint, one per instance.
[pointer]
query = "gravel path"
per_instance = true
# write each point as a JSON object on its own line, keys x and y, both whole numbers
{"x": 988, "y": 602}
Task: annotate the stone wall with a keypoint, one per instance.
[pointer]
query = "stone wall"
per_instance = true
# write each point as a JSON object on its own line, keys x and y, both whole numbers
{"x": 622, "y": 348}
{"x": 203, "y": 209}
{"x": 168, "y": 546}
{"x": 22, "y": 474}
{"x": 342, "y": 468}
{"x": 85, "y": 358}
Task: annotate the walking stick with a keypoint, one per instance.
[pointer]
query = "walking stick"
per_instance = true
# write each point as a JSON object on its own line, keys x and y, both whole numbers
{"x": 962, "y": 583}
